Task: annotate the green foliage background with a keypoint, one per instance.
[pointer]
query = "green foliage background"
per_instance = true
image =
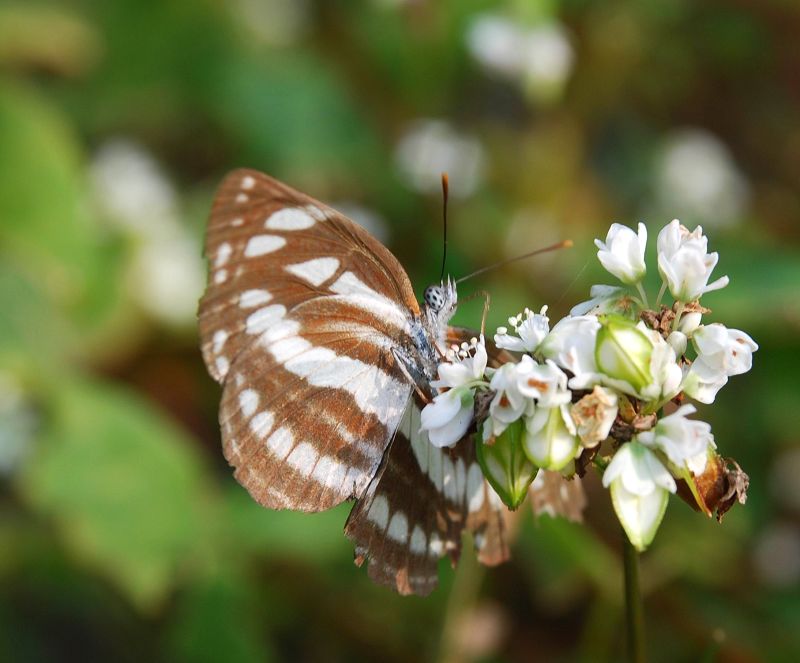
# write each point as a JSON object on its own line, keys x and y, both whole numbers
{"x": 122, "y": 533}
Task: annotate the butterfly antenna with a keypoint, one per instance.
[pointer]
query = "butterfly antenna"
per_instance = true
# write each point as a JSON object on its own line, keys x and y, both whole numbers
{"x": 445, "y": 196}
{"x": 567, "y": 243}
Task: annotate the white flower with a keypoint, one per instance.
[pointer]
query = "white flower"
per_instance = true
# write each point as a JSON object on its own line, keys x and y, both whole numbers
{"x": 622, "y": 253}
{"x": 684, "y": 262}
{"x": 721, "y": 353}
{"x": 571, "y": 345}
{"x": 667, "y": 374}
{"x": 539, "y": 57}
{"x": 448, "y": 417}
{"x": 530, "y": 329}
{"x": 702, "y": 382}
{"x": 594, "y": 414}
{"x": 547, "y": 383}
{"x": 508, "y": 404}
{"x": 604, "y": 299}
{"x": 640, "y": 487}
{"x": 684, "y": 441}
{"x": 550, "y": 440}
{"x": 689, "y": 322}
{"x": 678, "y": 342}
{"x": 727, "y": 350}
{"x": 466, "y": 365}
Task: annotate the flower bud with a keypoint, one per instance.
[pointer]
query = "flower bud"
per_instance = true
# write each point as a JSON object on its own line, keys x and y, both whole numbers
{"x": 505, "y": 465}
{"x": 640, "y": 486}
{"x": 550, "y": 439}
{"x": 622, "y": 254}
{"x": 622, "y": 353}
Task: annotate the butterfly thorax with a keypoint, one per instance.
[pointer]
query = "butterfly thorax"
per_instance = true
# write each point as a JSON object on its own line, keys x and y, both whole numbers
{"x": 429, "y": 334}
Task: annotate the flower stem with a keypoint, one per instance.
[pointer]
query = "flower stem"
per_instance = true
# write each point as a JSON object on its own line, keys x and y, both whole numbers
{"x": 661, "y": 294}
{"x": 634, "y": 615}
{"x": 678, "y": 313}
{"x": 643, "y": 294}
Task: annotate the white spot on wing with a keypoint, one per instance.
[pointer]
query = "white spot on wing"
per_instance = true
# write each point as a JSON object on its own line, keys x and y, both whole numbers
{"x": 220, "y": 336}
{"x": 436, "y": 545}
{"x": 330, "y": 472}
{"x": 242, "y": 198}
{"x": 248, "y": 402}
{"x": 398, "y": 528}
{"x": 260, "y": 245}
{"x": 220, "y": 276}
{"x": 449, "y": 478}
{"x": 475, "y": 490}
{"x": 290, "y": 218}
{"x": 248, "y": 182}
{"x": 251, "y": 298}
{"x": 223, "y": 254}
{"x": 238, "y": 221}
{"x": 264, "y": 318}
{"x": 280, "y": 442}
{"x": 289, "y": 347}
{"x": 419, "y": 542}
{"x": 222, "y": 365}
{"x": 315, "y": 271}
{"x": 261, "y": 424}
{"x": 379, "y": 512}
{"x": 303, "y": 457}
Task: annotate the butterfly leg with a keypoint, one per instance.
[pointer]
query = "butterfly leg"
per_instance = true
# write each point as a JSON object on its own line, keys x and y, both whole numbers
{"x": 425, "y": 399}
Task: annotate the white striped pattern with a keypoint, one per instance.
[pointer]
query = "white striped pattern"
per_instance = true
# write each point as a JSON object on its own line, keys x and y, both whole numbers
{"x": 356, "y": 293}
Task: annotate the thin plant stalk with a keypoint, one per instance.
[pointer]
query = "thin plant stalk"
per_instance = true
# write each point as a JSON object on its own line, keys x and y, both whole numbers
{"x": 634, "y": 614}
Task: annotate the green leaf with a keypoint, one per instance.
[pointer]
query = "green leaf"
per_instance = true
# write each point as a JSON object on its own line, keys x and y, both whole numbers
{"x": 123, "y": 487}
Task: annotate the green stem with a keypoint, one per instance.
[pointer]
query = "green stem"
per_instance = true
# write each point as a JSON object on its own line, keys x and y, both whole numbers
{"x": 634, "y": 614}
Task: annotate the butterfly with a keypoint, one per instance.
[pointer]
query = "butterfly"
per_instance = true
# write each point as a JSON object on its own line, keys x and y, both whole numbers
{"x": 326, "y": 358}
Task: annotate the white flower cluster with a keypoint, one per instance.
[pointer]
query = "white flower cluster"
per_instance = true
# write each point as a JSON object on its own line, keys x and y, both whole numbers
{"x": 593, "y": 389}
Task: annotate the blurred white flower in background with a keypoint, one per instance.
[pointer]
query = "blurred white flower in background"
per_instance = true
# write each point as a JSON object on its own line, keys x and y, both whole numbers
{"x": 697, "y": 176}
{"x": 777, "y": 555}
{"x": 17, "y": 423}
{"x": 273, "y": 22}
{"x": 538, "y": 57}
{"x": 166, "y": 273}
{"x": 429, "y": 148}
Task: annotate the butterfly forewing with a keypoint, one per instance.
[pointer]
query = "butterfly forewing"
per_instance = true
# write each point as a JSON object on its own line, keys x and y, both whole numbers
{"x": 302, "y": 310}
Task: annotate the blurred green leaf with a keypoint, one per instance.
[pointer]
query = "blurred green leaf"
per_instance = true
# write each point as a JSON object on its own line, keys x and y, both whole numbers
{"x": 314, "y": 537}
{"x": 56, "y": 259}
{"x": 122, "y": 484}
{"x": 216, "y": 620}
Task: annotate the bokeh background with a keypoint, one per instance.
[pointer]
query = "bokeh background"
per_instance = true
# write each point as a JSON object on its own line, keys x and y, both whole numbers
{"x": 122, "y": 534}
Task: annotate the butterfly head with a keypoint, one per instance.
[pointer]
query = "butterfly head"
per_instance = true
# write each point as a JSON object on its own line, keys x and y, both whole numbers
{"x": 440, "y": 303}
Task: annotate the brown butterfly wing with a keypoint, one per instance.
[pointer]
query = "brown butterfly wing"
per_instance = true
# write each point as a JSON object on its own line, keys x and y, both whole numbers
{"x": 301, "y": 313}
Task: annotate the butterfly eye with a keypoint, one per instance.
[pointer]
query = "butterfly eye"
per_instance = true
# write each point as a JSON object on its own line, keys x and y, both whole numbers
{"x": 434, "y": 297}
